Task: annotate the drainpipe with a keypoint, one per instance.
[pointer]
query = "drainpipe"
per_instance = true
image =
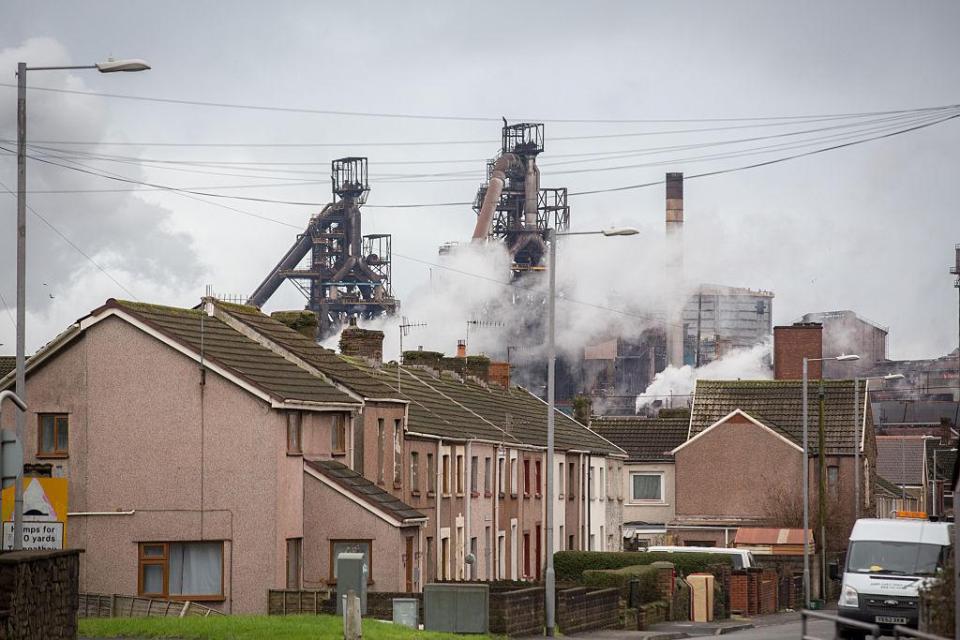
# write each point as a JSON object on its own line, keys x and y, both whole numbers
{"x": 438, "y": 489}
{"x": 468, "y": 489}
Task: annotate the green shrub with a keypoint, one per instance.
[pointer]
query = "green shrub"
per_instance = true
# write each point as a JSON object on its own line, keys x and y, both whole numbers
{"x": 570, "y": 565}
{"x": 621, "y": 578}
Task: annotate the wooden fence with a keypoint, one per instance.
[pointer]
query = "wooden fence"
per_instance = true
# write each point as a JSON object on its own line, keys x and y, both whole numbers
{"x": 99, "y": 605}
{"x": 282, "y": 602}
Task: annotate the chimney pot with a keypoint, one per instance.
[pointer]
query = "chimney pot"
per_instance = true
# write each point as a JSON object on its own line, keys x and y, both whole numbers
{"x": 461, "y": 348}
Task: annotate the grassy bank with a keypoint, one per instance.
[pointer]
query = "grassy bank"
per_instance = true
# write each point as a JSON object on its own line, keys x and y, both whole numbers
{"x": 249, "y": 628}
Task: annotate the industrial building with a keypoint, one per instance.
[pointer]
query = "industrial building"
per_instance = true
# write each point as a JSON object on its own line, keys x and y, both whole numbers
{"x": 847, "y": 332}
{"x": 341, "y": 272}
{"x": 718, "y": 318}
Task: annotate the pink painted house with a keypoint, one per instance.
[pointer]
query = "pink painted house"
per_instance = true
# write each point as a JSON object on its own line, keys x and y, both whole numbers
{"x": 214, "y": 453}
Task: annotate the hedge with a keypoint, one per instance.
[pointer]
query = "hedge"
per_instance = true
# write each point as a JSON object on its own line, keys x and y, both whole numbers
{"x": 570, "y": 565}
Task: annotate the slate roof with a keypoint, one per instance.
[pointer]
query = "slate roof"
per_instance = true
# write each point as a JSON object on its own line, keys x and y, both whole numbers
{"x": 945, "y": 458}
{"x": 364, "y": 489}
{"x": 7, "y": 364}
{"x": 644, "y": 439}
{"x": 332, "y": 365}
{"x": 440, "y": 404}
{"x": 900, "y": 459}
{"x": 888, "y": 487}
{"x": 778, "y": 405}
{"x": 228, "y": 348}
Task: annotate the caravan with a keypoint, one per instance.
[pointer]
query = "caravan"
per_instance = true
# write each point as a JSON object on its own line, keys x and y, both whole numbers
{"x": 887, "y": 563}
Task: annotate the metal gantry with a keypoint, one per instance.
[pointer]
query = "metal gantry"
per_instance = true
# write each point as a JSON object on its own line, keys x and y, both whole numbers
{"x": 340, "y": 271}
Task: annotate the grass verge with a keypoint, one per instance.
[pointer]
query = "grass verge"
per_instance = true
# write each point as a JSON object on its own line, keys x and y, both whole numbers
{"x": 251, "y": 628}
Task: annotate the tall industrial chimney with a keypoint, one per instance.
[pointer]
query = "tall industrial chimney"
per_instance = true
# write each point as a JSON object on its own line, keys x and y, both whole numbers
{"x": 674, "y": 256}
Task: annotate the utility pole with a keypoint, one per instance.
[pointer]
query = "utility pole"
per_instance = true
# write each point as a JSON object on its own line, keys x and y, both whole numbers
{"x": 956, "y": 529}
{"x": 822, "y": 492}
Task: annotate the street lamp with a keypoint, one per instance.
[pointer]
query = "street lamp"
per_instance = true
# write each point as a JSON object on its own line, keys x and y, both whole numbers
{"x": 806, "y": 470}
{"x": 552, "y": 235}
{"x": 110, "y": 66}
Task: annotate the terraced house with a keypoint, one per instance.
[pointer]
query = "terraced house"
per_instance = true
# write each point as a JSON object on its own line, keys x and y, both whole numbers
{"x": 214, "y": 453}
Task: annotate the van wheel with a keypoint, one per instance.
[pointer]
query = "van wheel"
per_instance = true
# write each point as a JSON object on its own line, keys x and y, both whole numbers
{"x": 846, "y": 633}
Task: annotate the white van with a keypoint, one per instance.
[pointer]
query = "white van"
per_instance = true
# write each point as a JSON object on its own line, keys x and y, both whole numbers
{"x": 887, "y": 563}
{"x": 742, "y": 559}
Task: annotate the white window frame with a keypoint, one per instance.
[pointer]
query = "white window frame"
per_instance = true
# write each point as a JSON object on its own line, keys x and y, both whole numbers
{"x": 634, "y": 500}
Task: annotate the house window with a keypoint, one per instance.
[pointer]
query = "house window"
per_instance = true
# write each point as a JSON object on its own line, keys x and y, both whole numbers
{"x": 431, "y": 474}
{"x": 294, "y": 562}
{"x": 380, "y": 444}
{"x": 526, "y": 477}
{"x": 414, "y": 472}
{"x": 571, "y": 480}
{"x": 833, "y": 481}
{"x": 537, "y": 479}
{"x": 397, "y": 452}
{"x": 500, "y": 479}
{"x": 603, "y": 492}
{"x": 54, "y": 436}
{"x": 474, "y": 475}
{"x": 514, "y": 479}
{"x": 646, "y": 487}
{"x": 350, "y": 546}
{"x": 487, "y": 476}
{"x": 560, "y": 481}
{"x": 446, "y": 475}
{"x": 460, "y": 475}
{"x": 181, "y": 570}
{"x": 338, "y": 435}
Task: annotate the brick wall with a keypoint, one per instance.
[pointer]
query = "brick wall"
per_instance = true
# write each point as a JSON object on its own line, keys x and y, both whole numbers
{"x": 517, "y": 613}
{"x": 363, "y": 343}
{"x": 791, "y": 344}
{"x": 739, "y": 596}
{"x": 39, "y": 595}
{"x": 582, "y": 610}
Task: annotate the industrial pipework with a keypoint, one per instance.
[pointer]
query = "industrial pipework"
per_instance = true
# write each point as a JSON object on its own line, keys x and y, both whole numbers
{"x": 511, "y": 207}
{"x": 347, "y": 274}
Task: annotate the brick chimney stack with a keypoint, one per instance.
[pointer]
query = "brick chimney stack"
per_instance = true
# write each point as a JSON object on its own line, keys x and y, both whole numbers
{"x": 363, "y": 343}
{"x": 793, "y": 343}
{"x": 499, "y": 374}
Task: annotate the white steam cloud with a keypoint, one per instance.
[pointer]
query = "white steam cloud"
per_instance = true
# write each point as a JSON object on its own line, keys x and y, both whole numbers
{"x": 677, "y": 384}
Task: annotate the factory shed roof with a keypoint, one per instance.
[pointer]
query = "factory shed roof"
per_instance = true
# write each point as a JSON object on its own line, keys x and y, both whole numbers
{"x": 900, "y": 459}
{"x": 778, "y": 405}
{"x": 644, "y": 439}
{"x": 364, "y": 490}
{"x": 915, "y": 412}
{"x": 220, "y": 344}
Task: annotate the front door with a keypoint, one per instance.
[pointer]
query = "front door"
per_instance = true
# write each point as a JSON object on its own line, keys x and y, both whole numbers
{"x": 408, "y": 562}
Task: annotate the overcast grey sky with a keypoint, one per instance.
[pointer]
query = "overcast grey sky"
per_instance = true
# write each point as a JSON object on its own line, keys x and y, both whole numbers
{"x": 869, "y": 228}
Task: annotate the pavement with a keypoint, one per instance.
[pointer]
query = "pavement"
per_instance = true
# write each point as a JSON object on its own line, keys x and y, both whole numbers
{"x": 677, "y": 630}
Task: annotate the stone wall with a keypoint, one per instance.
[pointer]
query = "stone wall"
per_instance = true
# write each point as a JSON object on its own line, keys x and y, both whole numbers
{"x": 39, "y": 595}
{"x": 517, "y": 613}
{"x": 582, "y": 610}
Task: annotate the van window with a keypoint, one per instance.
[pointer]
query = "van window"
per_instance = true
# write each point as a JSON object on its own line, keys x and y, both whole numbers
{"x": 737, "y": 560}
{"x": 895, "y": 558}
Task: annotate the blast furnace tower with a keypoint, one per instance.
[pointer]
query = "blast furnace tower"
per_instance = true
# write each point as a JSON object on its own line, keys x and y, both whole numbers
{"x": 511, "y": 207}
{"x": 341, "y": 272}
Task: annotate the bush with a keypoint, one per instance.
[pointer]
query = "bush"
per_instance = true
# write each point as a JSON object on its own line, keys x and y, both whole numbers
{"x": 570, "y": 565}
{"x": 621, "y": 578}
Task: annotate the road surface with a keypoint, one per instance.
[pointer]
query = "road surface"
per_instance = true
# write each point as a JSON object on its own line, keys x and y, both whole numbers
{"x": 791, "y": 630}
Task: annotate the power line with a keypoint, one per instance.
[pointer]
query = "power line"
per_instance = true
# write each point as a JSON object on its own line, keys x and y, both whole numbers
{"x": 414, "y": 116}
{"x": 72, "y": 244}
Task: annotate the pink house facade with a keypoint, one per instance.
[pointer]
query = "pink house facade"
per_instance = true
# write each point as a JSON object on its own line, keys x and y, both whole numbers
{"x": 213, "y": 454}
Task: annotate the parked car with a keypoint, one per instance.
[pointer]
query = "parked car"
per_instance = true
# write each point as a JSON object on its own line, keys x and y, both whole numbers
{"x": 742, "y": 559}
{"x": 888, "y": 561}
